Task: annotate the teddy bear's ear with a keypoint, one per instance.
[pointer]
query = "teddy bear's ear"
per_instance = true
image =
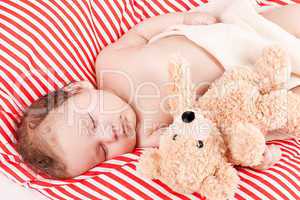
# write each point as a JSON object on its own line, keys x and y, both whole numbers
{"x": 180, "y": 86}
{"x": 274, "y": 68}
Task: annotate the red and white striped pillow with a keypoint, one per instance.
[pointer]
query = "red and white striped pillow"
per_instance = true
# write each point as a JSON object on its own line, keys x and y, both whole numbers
{"x": 47, "y": 44}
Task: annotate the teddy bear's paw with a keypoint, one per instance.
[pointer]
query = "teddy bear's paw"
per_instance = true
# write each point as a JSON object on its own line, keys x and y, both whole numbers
{"x": 246, "y": 144}
{"x": 221, "y": 186}
{"x": 273, "y": 68}
{"x": 271, "y": 155}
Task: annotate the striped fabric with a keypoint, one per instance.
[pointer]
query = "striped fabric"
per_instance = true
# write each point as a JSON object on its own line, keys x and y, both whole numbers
{"x": 47, "y": 44}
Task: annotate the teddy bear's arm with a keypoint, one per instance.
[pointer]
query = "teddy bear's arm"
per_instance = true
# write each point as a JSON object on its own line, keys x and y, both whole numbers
{"x": 222, "y": 185}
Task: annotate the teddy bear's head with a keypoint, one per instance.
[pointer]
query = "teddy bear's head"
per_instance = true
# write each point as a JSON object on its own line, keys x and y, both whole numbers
{"x": 191, "y": 148}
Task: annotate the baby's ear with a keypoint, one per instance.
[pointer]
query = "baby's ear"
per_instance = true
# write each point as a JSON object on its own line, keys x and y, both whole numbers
{"x": 75, "y": 86}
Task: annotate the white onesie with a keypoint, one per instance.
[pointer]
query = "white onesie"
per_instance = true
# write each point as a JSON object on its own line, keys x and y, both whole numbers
{"x": 241, "y": 36}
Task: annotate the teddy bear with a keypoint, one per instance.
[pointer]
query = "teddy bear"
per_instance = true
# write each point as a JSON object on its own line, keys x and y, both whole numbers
{"x": 225, "y": 126}
{"x": 254, "y": 101}
{"x": 192, "y": 153}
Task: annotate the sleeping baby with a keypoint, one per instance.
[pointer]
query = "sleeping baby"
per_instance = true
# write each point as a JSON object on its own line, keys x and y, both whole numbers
{"x": 69, "y": 131}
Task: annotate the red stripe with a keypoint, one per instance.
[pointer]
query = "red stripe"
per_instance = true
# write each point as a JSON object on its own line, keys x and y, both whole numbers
{"x": 286, "y": 178}
{"x": 150, "y": 8}
{"x": 102, "y": 22}
{"x": 5, "y": 134}
{"x": 123, "y": 19}
{"x": 3, "y": 147}
{"x": 12, "y": 108}
{"x": 256, "y": 187}
{"x": 50, "y": 192}
{"x": 81, "y": 191}
{"x": 142, "y": 183}
{"x": 116, "y": 16}
{"x": 108, "y": 18}
{"x": 245, "y": 190}
{"x": 131, "y": 4}
{"x": 66, "y": 37}
{"x": 290, "y": 164}
{"x": 79, "y": 30}
{"x": 98, "y": 190}
{"x": 172, "y": 6}
{"x": 19, "y": 168}
{"x": 161, "y": 7}
{"x": 278, "y": 2}
{"x": 195, "y": 4}
{"x": 35, "y": 52}
{"x": 84, "y": 12}
{"x": 67, "y": 193}
{"x": 18, "y": 71}
{"x": 12, "y": 173}
{"x": 169, "y": 190}
{"x": 296, "y": 1}
{"x": 130, "y": 186}
{"x": 183, "y": 4}
{"x": 278, "y": 181}
{"x": 266, "y": 183}
{"x": 138, "y": 6}
{"x": 112, "y": 187}
{"x": 22, "y": 30}
{"x": 38, "y": 42}
{"x": 237, "y": 196}
{"x": 289, "y": 170}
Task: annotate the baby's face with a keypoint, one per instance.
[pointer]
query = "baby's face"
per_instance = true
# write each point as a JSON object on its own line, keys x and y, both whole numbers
{"x": 88, "y": 128}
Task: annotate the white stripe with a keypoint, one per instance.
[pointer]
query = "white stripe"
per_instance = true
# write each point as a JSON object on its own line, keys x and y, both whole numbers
{"x": 136, "y": 184}
{"x": 21, "y": 78}
{"x": 10, "y": 102}
{"x": 60, "y": 36}
{"x": 121, "y": 187}
{"x": 76, "y": 33}
{"x": 277, "y": 185}
{"x": 283, "y": 179}
{"x": 7, "y": 131}
{"x": 165, "y": 5}
{"x": 74, "y": 192}
{"x": 112, "y": 17}
{"x": 6, "y": 109}
{"x": 15, "y": 170}
{"x": 105, "y": 189}
{"x": 28, "y": 49}
{"x": 260, "y": 184}
{"x": 156, "y": 7}
{"x": 103, "y": 34}
{"x": 16, "y": 90}
{"x": 57, "y": 192}
{"x": 178, "y": 5}
{"x": 90, "y": 191}
{"x": 18, "y": 65}
{"x": 287, "y": 165}
{"x": 153, "y": 184}
{"x": 42, "y": 40}
{"x": 105, "y": 21}
{"x": 148, "y": 11}
{"x": 85, "y": 20}
{"x": 46, "y": 194}
{"x": 251, "y": 189}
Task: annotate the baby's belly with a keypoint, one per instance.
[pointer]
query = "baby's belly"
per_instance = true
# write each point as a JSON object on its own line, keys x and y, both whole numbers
{"x": 151, "y": 72}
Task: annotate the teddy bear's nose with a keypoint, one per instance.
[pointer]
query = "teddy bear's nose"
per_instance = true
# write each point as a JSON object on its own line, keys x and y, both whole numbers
{"x": 188, "y": 116}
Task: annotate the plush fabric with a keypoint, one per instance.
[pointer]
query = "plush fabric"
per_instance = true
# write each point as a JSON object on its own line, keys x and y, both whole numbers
{"x": 47, "y": 44}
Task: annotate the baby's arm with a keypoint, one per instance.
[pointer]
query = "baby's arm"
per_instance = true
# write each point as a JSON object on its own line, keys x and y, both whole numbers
{"x": 144, "y": 31}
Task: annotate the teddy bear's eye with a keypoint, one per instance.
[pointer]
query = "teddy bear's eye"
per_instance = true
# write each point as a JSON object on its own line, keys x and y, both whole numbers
{"x": 174, "y": 136}
{"x": 199, "y": 144}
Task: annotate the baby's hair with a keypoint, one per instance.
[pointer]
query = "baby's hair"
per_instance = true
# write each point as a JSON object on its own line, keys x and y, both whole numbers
{"x": 34, "y": 147}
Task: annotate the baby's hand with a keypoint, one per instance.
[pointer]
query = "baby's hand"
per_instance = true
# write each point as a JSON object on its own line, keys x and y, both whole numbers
{"x": 197, "y": 18}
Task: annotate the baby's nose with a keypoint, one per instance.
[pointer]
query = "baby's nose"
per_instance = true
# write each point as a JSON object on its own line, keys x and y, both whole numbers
{"x": 188, "y": 116}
